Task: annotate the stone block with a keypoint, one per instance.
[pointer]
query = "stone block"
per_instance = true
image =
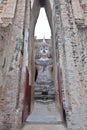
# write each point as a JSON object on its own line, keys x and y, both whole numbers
{"x": 9, "y": 11}
{"x": 77, "y": 11}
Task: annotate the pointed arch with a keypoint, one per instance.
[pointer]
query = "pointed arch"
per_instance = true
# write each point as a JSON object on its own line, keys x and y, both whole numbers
{"x": 35, "y": 9}
{"x": 42, "y": 28}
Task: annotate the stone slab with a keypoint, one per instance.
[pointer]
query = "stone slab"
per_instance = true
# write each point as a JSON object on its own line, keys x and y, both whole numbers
{"x": 43, "y": 119}
{"x": 44, "y": 113}
{"x": 44, "y": 127}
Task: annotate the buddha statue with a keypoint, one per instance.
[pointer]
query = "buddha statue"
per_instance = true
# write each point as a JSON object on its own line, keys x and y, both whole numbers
{"x": 44, "y": 63}
{"x": 44, "y": 67}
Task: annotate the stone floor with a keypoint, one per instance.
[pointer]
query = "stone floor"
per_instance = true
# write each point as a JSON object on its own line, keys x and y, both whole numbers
{"x": 44, "y": 127}
{"x": 44, "y": 117}
{"x": 45, "y": 112}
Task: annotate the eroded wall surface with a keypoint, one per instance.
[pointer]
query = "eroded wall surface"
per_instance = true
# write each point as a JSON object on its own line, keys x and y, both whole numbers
{"x": 11, "y": 58}
{"x": 70, "y": 31}
{"x": 68, "y": 21}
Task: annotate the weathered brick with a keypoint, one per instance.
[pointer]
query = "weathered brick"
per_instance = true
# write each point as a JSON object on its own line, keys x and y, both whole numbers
{"x": 69, "y": 20}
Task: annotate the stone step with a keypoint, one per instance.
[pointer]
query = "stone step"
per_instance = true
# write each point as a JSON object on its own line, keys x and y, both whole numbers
{"x": 44, "y": 127}
{"x": 44, "y": 101}
{"x": 40, "y": 119}
{"x": 46, "y": 113}
{"x": 44, "y": 97}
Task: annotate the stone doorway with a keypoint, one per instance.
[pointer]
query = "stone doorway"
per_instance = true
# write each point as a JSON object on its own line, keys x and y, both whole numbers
{"x": 45, "y": 109}
{"x": 43, "y": 91}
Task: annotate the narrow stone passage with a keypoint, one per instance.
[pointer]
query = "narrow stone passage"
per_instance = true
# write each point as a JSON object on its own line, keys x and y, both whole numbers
{"x": 44, "y": 117}
{"x": 45, "y": 113}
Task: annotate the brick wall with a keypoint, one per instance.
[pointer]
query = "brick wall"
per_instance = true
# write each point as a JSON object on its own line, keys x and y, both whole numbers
{"x": 69, "y": 31}
{"x": 14, "y": 53}
{"x": 70, "y": 43}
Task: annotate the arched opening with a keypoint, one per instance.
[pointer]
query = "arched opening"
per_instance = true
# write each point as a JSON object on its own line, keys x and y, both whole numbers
{"x": 43, "y": 73}
{"x": 43, "y": 58}
{"x": 42, "y": 28}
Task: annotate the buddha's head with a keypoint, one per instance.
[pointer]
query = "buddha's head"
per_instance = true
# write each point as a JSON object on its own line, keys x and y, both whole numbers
{"x": 43, "y": 50}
